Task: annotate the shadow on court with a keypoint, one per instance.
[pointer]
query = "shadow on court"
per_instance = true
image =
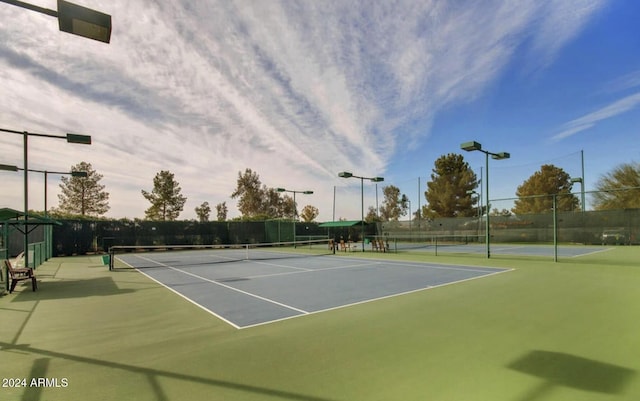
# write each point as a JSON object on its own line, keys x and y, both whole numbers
{"x": 561, "y": 369}
{"x": 40, "y": 367}
{"x": 70, "y": 288}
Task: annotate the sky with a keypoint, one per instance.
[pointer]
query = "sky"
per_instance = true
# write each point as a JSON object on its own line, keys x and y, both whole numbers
{"x": 298, "y": 91}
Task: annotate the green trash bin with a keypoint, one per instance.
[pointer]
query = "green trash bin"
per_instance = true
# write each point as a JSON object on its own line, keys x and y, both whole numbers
{"x": 105, "y": 260}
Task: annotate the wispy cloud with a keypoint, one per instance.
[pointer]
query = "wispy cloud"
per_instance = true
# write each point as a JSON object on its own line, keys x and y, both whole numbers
{"x": 624, "y": 83}
{"x": 585, "y": 122}
{"x": 296, "y": 91}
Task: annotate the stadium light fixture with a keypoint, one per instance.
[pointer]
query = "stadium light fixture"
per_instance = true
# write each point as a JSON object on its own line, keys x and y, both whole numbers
{"x": 470, "y": 146}
{"x": 75, "y": 19}
{"x": 70, "y": 138}
{"x": 7, "y": 167}
{"x": 295, "y": 206}
{"x": 473, "y": 146}
{"x": 346, "y": 174}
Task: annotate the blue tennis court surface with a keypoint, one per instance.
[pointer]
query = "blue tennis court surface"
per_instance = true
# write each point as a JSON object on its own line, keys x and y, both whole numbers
{"x": 252, "y": 292}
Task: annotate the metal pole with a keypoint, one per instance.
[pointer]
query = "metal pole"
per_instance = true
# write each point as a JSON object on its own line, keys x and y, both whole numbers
{"x": 45, "y": 193}
{"x": 32, "y": 7}
{"x": 419, "y": 210}
{"x": 362, "y": 209}
{"x": 25, "y": 135}
{"x": 584, "y": 206}
{"x": 555, "y": 228}
{"x": 488, "y": 235}
{"x": 334, "y": 203}
{"x": 46, "y": 228}
{"x": 377, "y": 213}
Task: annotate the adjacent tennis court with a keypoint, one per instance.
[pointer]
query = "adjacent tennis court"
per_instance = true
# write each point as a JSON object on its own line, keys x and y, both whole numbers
{"x": 566, "y": 251}
{"x": 276, "y": 283}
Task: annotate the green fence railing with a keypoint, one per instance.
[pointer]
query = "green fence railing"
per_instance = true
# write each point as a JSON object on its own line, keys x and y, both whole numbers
{"x": 37, "y": 254}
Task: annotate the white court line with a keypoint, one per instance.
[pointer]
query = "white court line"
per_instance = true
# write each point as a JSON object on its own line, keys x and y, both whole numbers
{"x": 591, "y": 253}
{"x": 225, "y": 286}
{"x": 308, "y": 270}
{"x": 183, "y": 296}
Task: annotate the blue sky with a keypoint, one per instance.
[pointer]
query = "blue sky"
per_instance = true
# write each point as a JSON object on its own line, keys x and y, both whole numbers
{"x": 299, "y": 91}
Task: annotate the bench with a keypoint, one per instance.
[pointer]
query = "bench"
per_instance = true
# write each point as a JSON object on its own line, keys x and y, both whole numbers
{"x": 16, "y": 274}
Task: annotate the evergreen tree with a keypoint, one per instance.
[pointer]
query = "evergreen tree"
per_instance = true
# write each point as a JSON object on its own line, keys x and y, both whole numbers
{"x": 83, "y": 195}
{"x": 222, "y": 211}
{"x": 166, "y": 200}
{"x": 447, "y": 193}
{"x": 550, "y": 180}
{"x": 203, "y": 211}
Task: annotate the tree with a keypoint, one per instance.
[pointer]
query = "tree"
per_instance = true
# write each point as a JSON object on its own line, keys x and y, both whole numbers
{"x": 257, "y": 201}
{"x": 372, "y": 215}
{"x": 222, "y": 211}
{"x": 394, "y": 205}
{"x": 309, "y": 213}
{"x": 613, "y": 188}
{"x": 83, "y": 195}
{"x": 249, "y": 194}
{"x": 166, "y": 200}
{"x": 448, "y": 192}
{"x": 550, "y": 180}
{"x": 203, "y": 211}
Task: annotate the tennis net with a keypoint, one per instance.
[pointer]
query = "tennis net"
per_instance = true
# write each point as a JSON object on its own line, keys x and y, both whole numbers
{"x": 147, "y": 256}
{"x": 399, "y": 243}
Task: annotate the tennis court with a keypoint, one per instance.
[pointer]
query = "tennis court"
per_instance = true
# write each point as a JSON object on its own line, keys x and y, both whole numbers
{"x": 566, "y": 251}
{"x": 276, "y": 284}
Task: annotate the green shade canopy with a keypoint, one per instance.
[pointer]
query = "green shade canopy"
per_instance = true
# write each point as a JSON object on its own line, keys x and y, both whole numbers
{"x": 16, "y": 217}
{"x": 342, "y": 223}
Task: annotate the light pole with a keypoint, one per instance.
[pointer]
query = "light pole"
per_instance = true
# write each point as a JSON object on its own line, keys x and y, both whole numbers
{"x": 472, "y": 192}
{"x": 75, "y": 19}
{"x": 70, "y": 138}
{"x": 346, "y": 174}
{"x": 82, "y": 174}
{"x": 469, "y": 147}
{"x": 581, "y": 181}
{"x": 295, "y": 207}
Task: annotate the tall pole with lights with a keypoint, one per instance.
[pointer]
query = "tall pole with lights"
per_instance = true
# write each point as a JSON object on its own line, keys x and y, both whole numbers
{"x": 70, "y": 138}
{"x": 295, "y": 206}
{"x": 469, "y": 147}
{"x": 346, "y": 174}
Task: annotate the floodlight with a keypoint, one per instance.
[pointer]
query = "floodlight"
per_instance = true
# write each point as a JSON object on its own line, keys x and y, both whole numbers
{"x": 471, "y": 146}
{"x": 84, "y": 22}
{"x": 345, "y": 174}
{"x": 501, "y": 156}
{"x": 8, "y": 167}
{"x": 82, "y": 139}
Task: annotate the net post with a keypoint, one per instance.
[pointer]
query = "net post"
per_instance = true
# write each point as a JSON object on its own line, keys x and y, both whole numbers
{"x": 111, "y": 254}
